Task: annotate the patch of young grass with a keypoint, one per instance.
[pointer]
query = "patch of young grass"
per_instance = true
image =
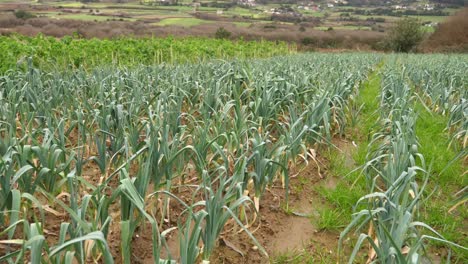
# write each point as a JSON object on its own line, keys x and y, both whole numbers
{"x": 242, "y": 24}
{"x": 342, "y": 196}
{"x": 303, "y": 181}
{"x": 182, "y": 21}
{"x": 331, "y": 219}
{"x": 451, "y": 226}
{"x": 88, "y": 17}
{"x": 446, "y": 179}
{"x": 325, "y": 28}
{"x": 318, "y": 255}
{"x": 287, "y": 209}
{"x": 368, "y": 98}
{"x": 434, "y": 141}
{"x": 351, "y": 185}
{"x": 437, "y": 19}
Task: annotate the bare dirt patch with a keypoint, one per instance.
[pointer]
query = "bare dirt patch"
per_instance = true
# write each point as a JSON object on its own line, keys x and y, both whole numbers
{"x": 283, "y": 229}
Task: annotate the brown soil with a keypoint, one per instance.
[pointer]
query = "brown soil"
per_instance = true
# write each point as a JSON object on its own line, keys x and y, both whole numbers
{"x": 278, "y": 230}
{"x": 283, "y": 230}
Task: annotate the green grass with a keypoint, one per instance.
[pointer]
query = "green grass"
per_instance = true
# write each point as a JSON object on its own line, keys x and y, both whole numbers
{"x": 429, "y": 29}
{"x": 182, "y": 21}
{"x": 438, "y": 19}
{"x": 179, "y": 8}
{"x": 325, "y": 28}
{"x": 340, "y": 199}
{"x": 239, "y": 11}
{"x": 319, "y": 255}
{"x": 351, "y": 185}
{"x": 303, "y": 182}
{"x": 242, "y": 24}
{"x": 47, "y": 14}
{"x": 433, "y": 139}
{"x": 342, "y": 196}
{"x": 332, "y": 219}
{"x": 387, "y": 18}
{"x": 207, "y": 9}
{"x": 72, "y": 4}
{"x": 88, "y": 17}
{"x": 312, "y": 13}
{"x": 368, "y": 98}
{"x": 445, "y": 180}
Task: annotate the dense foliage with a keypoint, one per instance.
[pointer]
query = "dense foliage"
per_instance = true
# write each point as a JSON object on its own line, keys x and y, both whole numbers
{"x": 73, "y": 52}
{"x": 92, "y": 159}
{"x": 129, "y": 137}
{"x": 396, "y": 169}
{"x": 405, "y": 35}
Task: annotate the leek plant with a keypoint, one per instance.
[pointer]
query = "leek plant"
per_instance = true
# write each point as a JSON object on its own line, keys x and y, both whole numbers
{"x": 265, "y": 160}
{"x": 390, "y": 210}
{"x": 151, "y": 131}
{"x": 221, "y": 201}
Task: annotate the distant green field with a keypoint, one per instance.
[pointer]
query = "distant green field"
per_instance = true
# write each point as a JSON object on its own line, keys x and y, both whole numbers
{"x": 179, "y": 8}
{"x": 387, "y": 18}
{"x": 85, "y": 17}
{"x": 47, "y": 14}
{"x": 240, "y": 11}
{"x": 242, "y": 24}
{"x": 343, "y": 28}
{"x": 394, "y": 18}
{"x": 208, "y": 9}
{"x": 182, "y": 21}
{"x": 75, "y": 4}
{"x": 438, "y": 19}
{"x": 313, "y": 13}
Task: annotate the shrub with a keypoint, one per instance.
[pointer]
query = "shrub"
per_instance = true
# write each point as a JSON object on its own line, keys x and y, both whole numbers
{"x": 405, "y": 35}
{"x": 222, "y": 33}
{"x": 22, "y": 14}
{"x": 306, "y": 41}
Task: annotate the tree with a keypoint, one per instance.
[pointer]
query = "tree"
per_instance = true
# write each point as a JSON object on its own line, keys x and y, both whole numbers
{"x": 405, "y": 35}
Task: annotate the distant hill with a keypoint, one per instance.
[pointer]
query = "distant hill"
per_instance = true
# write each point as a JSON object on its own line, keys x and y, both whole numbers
{"x": 375, "y": 3}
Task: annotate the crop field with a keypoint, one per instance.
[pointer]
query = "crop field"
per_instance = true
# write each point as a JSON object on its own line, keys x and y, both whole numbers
{"x": 71, "y": 52}
{"x": 116, "y": 157}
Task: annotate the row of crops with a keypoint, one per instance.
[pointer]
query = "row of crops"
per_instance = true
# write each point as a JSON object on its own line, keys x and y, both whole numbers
{"x": 114, "y": 149}
{"x": 90, "y": 157}
{"x": 441, "y": 82}
{"x": 73, "y": 52}
{"x": 397, "y": 174}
